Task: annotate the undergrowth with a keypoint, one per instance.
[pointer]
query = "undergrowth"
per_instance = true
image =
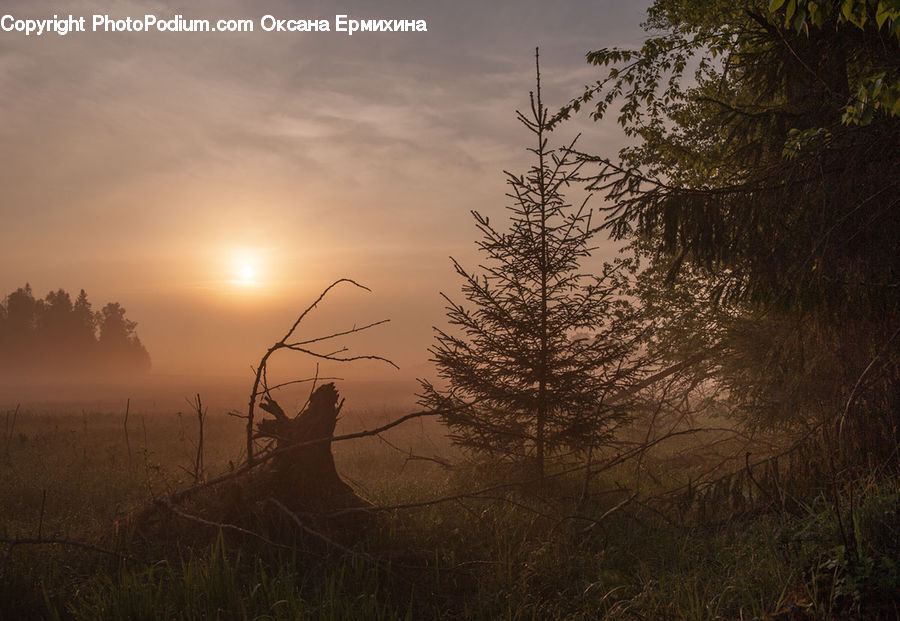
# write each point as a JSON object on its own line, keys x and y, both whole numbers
{"x": 512, "y": 553}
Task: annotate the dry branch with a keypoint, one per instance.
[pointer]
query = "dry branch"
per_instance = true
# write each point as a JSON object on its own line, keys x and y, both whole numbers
{"x": 12, "y": 542}
{"x": 201, "y": 415}
{"x": 125, "y": 428}
{"x": 283, "y": 344}
{"x": 311, "y": 531}
{"x": 164, "y": 502}
{"x": 10, "y": 428}
{"x": 247, "y": 467}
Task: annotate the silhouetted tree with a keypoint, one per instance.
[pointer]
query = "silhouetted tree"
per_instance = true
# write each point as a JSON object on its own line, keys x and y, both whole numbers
{"x": 54, "y": 335}
{"x": 769, "y": 179}
{"x": 20, "y": 310}
{"x": 541, "y": 344}
{"x": 18, "y": 332}
{"x": 117, "y": 339}
{"x": 53, "y": 330}
{"x": 758, "y": 170}
{"x": 85, "y": 324}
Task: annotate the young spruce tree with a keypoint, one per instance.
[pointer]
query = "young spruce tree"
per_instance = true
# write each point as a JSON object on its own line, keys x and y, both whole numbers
{"x": 540, "y": 345}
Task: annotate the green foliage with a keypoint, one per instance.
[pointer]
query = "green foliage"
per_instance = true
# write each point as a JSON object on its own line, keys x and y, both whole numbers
{"x": 709, "y": 181}
{"x": 873, "y": 90}
{"x": 801, "y": 14}
{"x": 855, "y": 574}
{"x": 764, "y": 182}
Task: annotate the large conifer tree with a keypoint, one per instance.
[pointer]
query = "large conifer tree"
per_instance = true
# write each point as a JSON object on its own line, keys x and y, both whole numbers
{"x": 769, "y": 178}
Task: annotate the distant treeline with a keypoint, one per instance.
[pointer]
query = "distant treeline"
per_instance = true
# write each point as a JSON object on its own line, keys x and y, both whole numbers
{"x": 55, "y": 337}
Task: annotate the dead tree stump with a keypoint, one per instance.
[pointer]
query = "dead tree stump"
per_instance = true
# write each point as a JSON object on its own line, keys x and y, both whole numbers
{"x": 302, "y": 475}
{"x": 299, "y": 473}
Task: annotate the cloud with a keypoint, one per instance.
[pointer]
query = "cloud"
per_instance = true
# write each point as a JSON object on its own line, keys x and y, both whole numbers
{"x": 124, "y": 152}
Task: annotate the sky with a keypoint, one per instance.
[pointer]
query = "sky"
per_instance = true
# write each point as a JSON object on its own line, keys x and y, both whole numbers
{"x": 215, "y": 183}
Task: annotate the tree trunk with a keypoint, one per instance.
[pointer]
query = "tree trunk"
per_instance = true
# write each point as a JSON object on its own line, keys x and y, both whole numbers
{"x": 304, "y": 477}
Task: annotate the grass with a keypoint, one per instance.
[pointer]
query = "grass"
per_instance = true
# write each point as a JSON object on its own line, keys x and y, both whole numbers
{"x": 515, "y": 553}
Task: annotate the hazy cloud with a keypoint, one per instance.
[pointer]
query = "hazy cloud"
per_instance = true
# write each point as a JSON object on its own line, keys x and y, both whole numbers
{"x": 130, "y": 159}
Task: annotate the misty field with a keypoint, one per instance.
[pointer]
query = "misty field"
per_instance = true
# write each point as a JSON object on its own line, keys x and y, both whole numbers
{"x": 461, "y": 542}
{"x": 662, "y": 383}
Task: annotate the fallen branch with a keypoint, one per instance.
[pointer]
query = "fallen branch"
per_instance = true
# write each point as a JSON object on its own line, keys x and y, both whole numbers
{"x": 331, "y": 542}
{"x": 410, "y": 456}
{"x": 479, "y": 494}
{"x": 164, "y": 502}
{"x": 594, "y": 522}
{"x": 12, "y": 542}
{"x": 247, "y": 467}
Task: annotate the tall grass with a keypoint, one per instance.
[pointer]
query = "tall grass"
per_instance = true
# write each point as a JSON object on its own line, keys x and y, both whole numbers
{"x": 513, "y": 553}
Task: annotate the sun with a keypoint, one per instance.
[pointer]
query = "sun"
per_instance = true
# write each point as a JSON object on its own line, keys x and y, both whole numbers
{"x": 246, "y": 267}
{"x": 247, "y": 274}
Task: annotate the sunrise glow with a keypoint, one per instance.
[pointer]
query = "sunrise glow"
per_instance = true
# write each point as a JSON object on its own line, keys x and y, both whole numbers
{"x": 247, "y": 273}
{"x": 245, "y": 266}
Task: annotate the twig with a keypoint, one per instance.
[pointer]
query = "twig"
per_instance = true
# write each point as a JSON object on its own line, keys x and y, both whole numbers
{"x": 410, "y": 456}
{"x": 290, "y": 383}
{"x": 220, "y": 525}
{"x": 858, "y": 383}
{"x": 352, "y": 330}
{"x": 612, "y": 462}
{"x": 331, "y": 542}
{"x": 312, "y": 390}
{"x": 594, "y": 522}
{"x": 41, "y": 519}
{"x": 74, "y": 543}
{"x": 283, "y": 344}
{"x": 477, "y": 494}
{"x": 15, "y": 415}
{"x": 125, "y": 427}
{"x": 11, "y": 427}
{"x": 296, "y": 519}
{"x": 198, "y": 461}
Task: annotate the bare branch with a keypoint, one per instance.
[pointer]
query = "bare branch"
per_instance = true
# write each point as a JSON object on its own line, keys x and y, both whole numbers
{"x": 164, "y": 502}
{"x": 261, "y": 369}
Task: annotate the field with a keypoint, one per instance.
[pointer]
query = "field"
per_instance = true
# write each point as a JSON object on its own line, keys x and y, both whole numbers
{"x": 473, "y": 543}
